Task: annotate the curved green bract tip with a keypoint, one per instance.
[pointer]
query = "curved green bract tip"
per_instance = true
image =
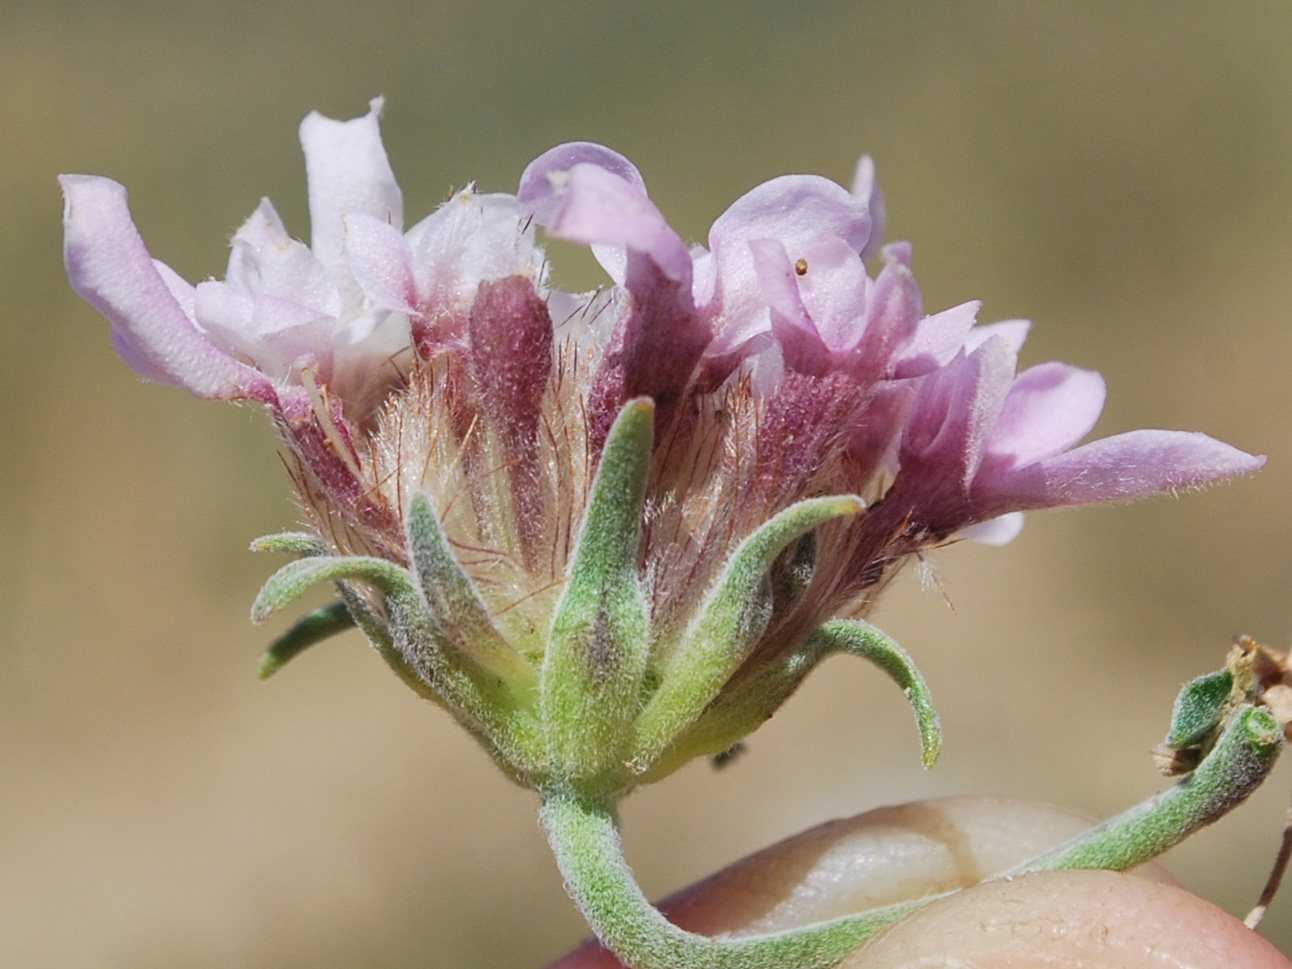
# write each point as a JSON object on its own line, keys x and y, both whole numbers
{"x": 858, "y": 638}
{"x": 731, "y": 621}
{"x": 308, "y": 630}
{"x": 293, "y": 543}
{"x": 293, "y": 579}
{"x": 452, "y": 599}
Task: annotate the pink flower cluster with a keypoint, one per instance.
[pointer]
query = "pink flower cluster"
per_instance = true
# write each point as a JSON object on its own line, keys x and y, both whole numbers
{"x": 439, "y": 359}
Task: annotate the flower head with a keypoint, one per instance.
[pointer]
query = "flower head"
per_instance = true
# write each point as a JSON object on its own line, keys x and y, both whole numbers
{"x": 609, "y": 531}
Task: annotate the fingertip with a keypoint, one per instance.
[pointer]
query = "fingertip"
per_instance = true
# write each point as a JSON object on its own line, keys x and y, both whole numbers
{"x": 1072, "y": 920}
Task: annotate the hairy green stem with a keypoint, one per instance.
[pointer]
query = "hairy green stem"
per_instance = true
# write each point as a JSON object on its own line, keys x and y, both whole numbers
{"x": 585, "y": 839}
{"x": 1236, "y": 766}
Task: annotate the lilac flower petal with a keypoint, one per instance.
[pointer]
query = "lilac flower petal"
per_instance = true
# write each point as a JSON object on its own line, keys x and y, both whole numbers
{"x": 595, "y": 205}
{"x": 936, "y": 340}
{"x": 185, "y": 293}
{"x": 472, "y": 237}
{"x": 780, "y": 285}
{"x": 1013, "y": 332}
{"x": 953, "y": 415}
{"x": 897, "y": 252}
{"x": 797, "y": 210}
{"x": 543, "y": 181}
{"x": 866, "y": 188}
{"x": 892, "y": 317}
{"x": 262, "y": 227}
{"x": 225, "y": 313}
{"x": 348, "y": 171}
{"x": 1000, "y": 530}
{"x": 1049, "y": 408}
{"x": 794, "y": 210}
{"x": 704, "y": 276}
{"x": 110, "y": 268}
{"x": 1117, "y": 468}
{"x": 378, "y": 257}
{"x": 834, "y": 288}
{"x": 272, "y": 316}
{"x": 288, "y": 270}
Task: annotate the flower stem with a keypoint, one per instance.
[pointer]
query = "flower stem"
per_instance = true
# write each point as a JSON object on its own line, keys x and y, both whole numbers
{"x": 585, "y": 839}
{"x": 1235, "y": 767}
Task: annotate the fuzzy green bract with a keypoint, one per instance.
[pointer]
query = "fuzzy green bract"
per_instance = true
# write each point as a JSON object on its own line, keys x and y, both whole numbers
{"x": 611, "y": 701}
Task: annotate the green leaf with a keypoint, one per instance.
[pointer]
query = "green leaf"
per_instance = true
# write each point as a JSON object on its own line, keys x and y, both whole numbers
{"x": 1198, "y": 709}
{"x": 308, "y": 630}
{"x": 730, "y": 623}
{"x": 452, "y": 599}
{"x": 295, "y": 578}
{"x": 596, "y": 655}
{"x": 294, "y": 543}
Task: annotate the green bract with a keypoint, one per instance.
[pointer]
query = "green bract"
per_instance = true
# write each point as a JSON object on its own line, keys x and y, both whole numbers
{"x": 611, "y": 700}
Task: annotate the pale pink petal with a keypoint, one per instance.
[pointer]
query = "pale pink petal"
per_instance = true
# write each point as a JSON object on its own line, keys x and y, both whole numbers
{"x": 953, "y": 415}
{"x": 1013, "y": 332}
{"x": 796, "y": 210}
{"x": 378, "y": 257}
{"x": 184, "y": 292}
{"x": 1049, "y": 408}
{"x": 271, "y": 332}
{"x": 591, "y": 204}
{"x": 291, "y": 337}
{"x": 288, "y": 270}
{"x": 866, "y": 188}
{"x": 936, "y": 340}
{"x": 225, "y": 314}
{"x": 543, "y": 182}
{"x": 110, "y": 268}
{"x": 1000, "y": 530}
{"x": 1129, "y": 465}
{"x": 271, "y": 316}
{"x": 802, "y": 348}
{"x": 348, "y": 172}
{"x": 892, "y": 317}
{"x": 262, "y": 227}
{"x": 834, "y": 288}
{"x": 779, "y": 284}
{"x": 470, "y": 238}
{"x": 704, "y": 276}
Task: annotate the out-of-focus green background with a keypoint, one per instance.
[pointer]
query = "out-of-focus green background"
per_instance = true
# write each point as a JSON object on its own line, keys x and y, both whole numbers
{"x": 1120, "y": 173}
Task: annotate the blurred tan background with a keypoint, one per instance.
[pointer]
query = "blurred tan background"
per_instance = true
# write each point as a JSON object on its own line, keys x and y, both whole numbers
{"x": 1122, "y": 174}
